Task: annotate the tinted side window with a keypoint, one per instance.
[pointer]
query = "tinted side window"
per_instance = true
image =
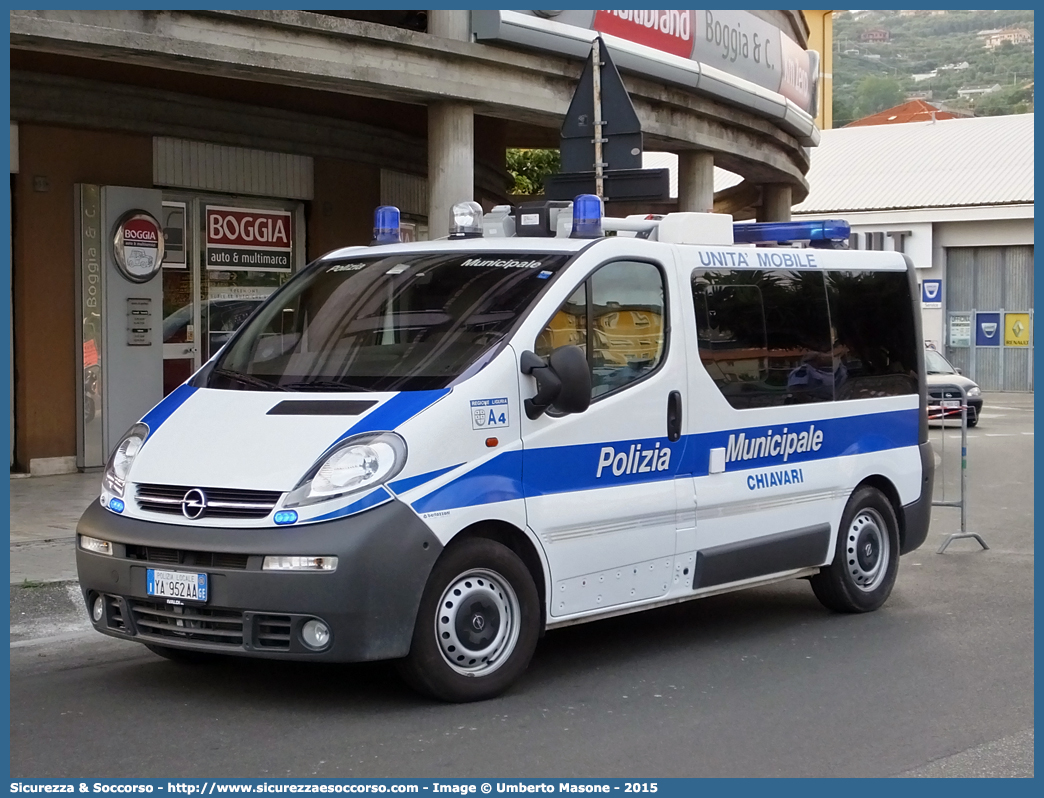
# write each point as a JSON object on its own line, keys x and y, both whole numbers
{"x": 874, "y": 344}
{"x": 764, "y": 336}
{"x": 623, "y": 306}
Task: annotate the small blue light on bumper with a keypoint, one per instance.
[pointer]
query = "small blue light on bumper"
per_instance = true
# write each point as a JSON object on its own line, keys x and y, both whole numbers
{"x": 116, "y": 505}
{"x": 284, "y": 517}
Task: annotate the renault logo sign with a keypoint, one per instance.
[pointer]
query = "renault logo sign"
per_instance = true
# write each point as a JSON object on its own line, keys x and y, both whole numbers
{"x": 194, "y": 505}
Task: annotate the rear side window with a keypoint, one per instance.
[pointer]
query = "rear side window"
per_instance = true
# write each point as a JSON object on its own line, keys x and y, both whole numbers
{"x": 618, "y": 316}
{"x": 764, "y": 336}
{"x": 875, "y": 348}
{"x": 783, "y": 337}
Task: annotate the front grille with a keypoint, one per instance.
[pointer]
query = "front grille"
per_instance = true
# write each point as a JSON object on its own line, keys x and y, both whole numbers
{"x": 273, "y": 632}
{"x": 198, "y": 624}
{"x": 221, "y": 502}
{"x": 201, "y": 559}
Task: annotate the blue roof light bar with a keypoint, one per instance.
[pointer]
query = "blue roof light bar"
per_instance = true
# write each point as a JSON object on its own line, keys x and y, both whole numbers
{"x": 816, "y": 232}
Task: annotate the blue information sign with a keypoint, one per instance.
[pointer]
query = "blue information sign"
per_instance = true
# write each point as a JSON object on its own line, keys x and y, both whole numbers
{"x": 988, "y": 329}
{"x": 931, "y": 293}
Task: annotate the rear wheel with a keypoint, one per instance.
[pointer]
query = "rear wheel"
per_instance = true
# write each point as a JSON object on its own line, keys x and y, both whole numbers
{"x": 477, "y": 626}
{"x": 866, "y": 559}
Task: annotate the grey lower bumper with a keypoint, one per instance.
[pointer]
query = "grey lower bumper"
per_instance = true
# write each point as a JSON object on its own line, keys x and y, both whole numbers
{"x": 369, "y": 603}
{"x": 917, "y": 516}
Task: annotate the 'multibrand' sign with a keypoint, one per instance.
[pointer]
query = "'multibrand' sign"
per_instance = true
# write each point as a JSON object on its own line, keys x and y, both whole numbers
{"x": 248, "y": 239}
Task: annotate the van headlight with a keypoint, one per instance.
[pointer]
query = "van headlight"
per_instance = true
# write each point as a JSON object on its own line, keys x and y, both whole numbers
{"x": 122, "y": 457}
{"x": 357, "y": 463}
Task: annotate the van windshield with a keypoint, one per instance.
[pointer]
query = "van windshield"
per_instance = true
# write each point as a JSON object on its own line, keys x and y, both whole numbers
{"x": 404, "y": 322}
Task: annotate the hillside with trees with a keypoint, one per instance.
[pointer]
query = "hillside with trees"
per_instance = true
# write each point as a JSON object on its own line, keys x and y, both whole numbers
{"x": 883, "y": 58}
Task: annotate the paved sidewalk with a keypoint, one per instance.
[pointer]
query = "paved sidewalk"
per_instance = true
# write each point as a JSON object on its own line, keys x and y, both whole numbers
{"x": 44, "y": 512}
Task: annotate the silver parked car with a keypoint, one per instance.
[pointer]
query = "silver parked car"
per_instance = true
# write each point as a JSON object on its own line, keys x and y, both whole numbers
{"x": 942, "y": 374}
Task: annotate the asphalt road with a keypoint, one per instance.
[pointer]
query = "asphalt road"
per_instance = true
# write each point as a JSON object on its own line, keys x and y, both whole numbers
{"x": 765, "y": 682}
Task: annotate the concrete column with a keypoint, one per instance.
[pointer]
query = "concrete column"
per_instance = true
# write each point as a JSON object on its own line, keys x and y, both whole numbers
{"x": 696, "y": 181}
{"x": 776, "y": 199}
{"x": 451, "y": 162}
{"x": 451, "y": 136}
{"x": 448, "y": 24}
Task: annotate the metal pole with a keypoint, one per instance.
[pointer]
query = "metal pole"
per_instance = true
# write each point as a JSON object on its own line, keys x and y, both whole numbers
{"x": 963, "y": 502}
{"x": 596, "y": 76}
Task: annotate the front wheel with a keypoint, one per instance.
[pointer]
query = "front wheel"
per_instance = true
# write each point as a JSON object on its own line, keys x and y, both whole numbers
{"x": 477, "y": 626}
{"x": 866, "y": 559}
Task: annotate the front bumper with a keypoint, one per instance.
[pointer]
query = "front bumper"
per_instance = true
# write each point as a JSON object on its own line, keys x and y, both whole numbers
{"x": 369, "y": 603}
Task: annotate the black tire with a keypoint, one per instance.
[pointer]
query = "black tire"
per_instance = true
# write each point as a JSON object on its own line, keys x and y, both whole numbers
{"x": 973, "y": 417}
{"x": 182, "y": 656}
{"x": 470, "y": 652}
{"x": 866, "y": 559}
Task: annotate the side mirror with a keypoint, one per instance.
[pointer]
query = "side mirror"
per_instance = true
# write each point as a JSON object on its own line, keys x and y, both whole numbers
{"x": 563, "y": 382}
{"x": 957, "y": 370}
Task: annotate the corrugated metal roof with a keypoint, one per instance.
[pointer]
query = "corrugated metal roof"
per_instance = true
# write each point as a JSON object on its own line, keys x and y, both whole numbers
{"x": 942, "y": 164}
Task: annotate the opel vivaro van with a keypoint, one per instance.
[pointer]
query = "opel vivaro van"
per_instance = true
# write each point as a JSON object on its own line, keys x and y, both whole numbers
{"x": 433, "y": 452}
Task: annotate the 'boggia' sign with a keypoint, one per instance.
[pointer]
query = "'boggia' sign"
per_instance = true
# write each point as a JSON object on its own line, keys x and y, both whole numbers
{"x": 137, "y": 245}
{"x": 248, "y": 239}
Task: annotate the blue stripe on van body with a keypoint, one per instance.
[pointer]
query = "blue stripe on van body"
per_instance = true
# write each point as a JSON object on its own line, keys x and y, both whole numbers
{"x": 397, "y": 410}
{"x": 566, "y": 469}
{"x": 165, "y": 409}
{"x": 496, "y": 480}
{"x": 372, "y": 499}
{"x": 409, "y": 483}
{"x": 849, "y": 435}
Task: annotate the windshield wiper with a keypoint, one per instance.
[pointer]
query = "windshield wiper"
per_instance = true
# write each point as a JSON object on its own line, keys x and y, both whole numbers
{"x": 247, "y": 379}
{"x": 341, "y": 386}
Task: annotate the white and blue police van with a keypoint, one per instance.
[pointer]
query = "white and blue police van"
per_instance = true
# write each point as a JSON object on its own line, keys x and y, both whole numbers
{"x": 433, "y": 452}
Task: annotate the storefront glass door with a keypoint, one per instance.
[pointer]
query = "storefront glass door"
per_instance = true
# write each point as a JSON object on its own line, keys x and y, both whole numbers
{"x": 226, "y": 255}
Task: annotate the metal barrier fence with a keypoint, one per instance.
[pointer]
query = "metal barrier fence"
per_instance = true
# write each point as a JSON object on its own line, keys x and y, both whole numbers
{"x": 946, "y": 410}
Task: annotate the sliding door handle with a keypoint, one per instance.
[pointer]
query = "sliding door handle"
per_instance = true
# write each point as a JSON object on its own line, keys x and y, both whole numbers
{"x": 674, "y": 416}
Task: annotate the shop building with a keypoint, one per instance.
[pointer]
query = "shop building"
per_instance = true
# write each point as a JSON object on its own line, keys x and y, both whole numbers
{"x": 260, "y": 140}
{"x": 956, "y": 196}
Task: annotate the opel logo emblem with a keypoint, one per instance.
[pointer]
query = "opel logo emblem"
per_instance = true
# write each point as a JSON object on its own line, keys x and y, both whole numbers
{"x": 478, "y": 622}
{"x": 194, "y": 505}
{"x": 868, "y": 548}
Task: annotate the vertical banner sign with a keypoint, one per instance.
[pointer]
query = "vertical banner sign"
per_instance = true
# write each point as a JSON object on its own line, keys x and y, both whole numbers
{"x": 89, "y": 439}
{"x": 1016, "y": 329}
{"x": 247, "y": 239}
{"x": 931, "y": 294}
{"x": 987, "y": 329}
{"x": 960, "y": 330}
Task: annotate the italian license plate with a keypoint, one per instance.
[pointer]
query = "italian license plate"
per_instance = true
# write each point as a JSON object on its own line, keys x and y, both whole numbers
{"x": 953, "y": 403}
{"x": 176, "y": 585}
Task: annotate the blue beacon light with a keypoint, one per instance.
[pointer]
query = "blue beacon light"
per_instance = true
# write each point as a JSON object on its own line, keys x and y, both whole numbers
{"x": 587, "y": 216}
{"x": 116, "y": 505}
{"x": 284, "y": 517}
{"x": 818, "y": 232}
{"x": 386, "y": 225}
